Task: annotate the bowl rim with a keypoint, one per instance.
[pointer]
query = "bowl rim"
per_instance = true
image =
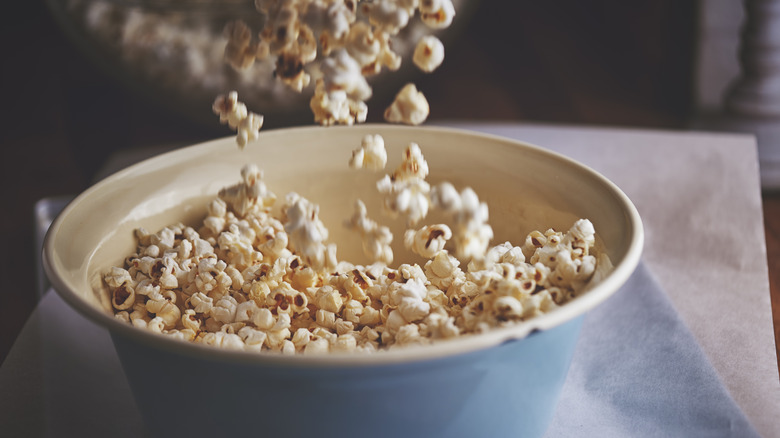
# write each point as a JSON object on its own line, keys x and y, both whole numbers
{"x": 408, "y": 354}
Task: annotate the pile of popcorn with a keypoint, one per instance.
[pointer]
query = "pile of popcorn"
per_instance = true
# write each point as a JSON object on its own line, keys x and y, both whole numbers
{"x": 261, "y": 275}
{"x": 354, "y": 39}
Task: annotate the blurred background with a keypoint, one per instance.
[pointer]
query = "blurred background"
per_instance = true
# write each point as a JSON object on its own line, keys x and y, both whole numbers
{"x": 69, "y": 105}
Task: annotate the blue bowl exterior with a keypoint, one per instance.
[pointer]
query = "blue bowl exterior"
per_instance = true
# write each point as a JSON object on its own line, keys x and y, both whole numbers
{"x": 508, "y": 390}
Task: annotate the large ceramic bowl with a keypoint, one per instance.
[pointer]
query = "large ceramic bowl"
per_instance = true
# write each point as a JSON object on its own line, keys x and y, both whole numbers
{"x": 501, "y": 383}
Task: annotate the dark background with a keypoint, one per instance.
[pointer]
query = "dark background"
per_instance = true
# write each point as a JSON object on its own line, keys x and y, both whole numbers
{"x": 604, "y": 62}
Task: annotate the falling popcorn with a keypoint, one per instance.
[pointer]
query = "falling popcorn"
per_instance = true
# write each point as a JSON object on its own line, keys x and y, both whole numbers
{"x": 350, "y": 39}
{"x": 409, "y": 107}
{"x": 428, "y": 54}
{"x": 234, "y": 113}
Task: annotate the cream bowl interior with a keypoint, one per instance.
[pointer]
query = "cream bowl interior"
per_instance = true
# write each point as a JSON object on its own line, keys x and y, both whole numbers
{"x": 526, "y": 188}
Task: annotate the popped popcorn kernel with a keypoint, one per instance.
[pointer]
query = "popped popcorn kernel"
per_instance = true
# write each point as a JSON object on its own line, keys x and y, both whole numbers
{"x": 116, "y": 277}
{"x": 250, "y": 193}
{"x": 249, "y": 129}
{"x": 388, "y": 16}
{"x": 370, "y": 155}
{"x": 427, "y": 241}
{"x": 234, "y": 113}
{"x": 361, "y": 45}
{"x": 376, "y": 239}
{"x": 240, "y": 50}
{"x": 437, "y": 14}
{"x": 409, "y": 107}
{"x": 123, "y": 297}
{"x": 306, "y": 231}
{"x": 335, "y": 108}
{"x": 428, "y": 53}
{"x": 342, "y": 72}
{"x": 471, "y": 233}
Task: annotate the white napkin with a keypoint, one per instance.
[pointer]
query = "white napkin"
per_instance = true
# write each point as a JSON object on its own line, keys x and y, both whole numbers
{"x": 637, "y": 372}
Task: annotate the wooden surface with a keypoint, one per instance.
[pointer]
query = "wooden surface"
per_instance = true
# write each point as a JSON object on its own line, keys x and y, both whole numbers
{"x": 602, "y": 63}
{"x": 772, "y": 229}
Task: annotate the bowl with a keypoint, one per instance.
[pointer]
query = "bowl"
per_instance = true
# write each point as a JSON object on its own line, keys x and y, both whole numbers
{"x": 504, "y": 382}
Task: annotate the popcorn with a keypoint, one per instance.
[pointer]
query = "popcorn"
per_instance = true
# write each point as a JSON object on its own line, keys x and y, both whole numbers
{"x": 428, "y": 240}
{"x": 406, "y": 192}
{"x": 229, "y": 341}
{"x": 250, "y": 193}
{"x": 253, "y": 338}
{"x": 122, "y": 316}
{"x": 361, "y": 44}
{"x": 156, "y": 325}
{"x": 300, "y": 338}
{"x": 289, "y": 70}
{"x": 344, "y": 343}
{"x": 307, "y": 233}
{"x": 370, "y": 155}
{"x": 441, "y": 327}
{"x": 507, "y": 308}
{"x": 225, "y": 309}
{"x": 428, "y": 53}
{"x": 413, "y": 164}
{"x": 164, "y": 307}
{"x": 123, "y": 297}
{"x": 190, "y": 320}
{"x": 437, "y": 14}
{"x": 408, "y": 334}
{"x": 260, "y": 279}
{"x": 249, "y": 129}
{"x": 410, "y": 300}
{"x": 240, "y": 50}
{"x": 233, "y": 112}
{"x": 343, "y": 327}
{"x": 326, "y": 319}
{"x": 288, "y": 347}
{"x": 409, "y": 107}
{"x": 329, "y": 299}
{"x": 116, "y": 277}
{"x": 201, "y": 303}
{"x": 442, "y": 270}
{"x": 581, "y": 234}
{"x": 317, "y": 346}
{"x": 408, "y": 198}
{"x": 229, "y": 109}
{"x": 335, "y": 107}
{"x": 388, "y": 16}
{"x": 376, "y": 239}
{"x": 334, "y": 20}
{"x": 342, "y": 72}
{"x": 263, "y": 319}
{"x": 471, "y": 233}
{"x": 282, "y": 26}
{"x": 352, "y": 310}
{"x": 275, "y": 339}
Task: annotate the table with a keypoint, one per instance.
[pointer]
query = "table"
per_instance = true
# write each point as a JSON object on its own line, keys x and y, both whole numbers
{"x": 699, "y": 197}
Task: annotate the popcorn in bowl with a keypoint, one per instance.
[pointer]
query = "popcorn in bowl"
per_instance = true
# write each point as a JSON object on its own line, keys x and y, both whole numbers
{"x": 258, "y": 275}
